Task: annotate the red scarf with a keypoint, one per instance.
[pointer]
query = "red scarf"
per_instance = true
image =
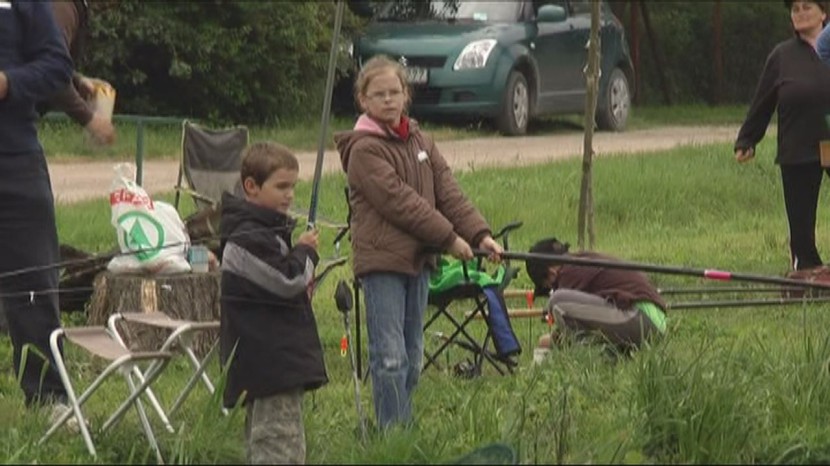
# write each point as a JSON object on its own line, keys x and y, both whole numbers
{"x": 402, "y": 130}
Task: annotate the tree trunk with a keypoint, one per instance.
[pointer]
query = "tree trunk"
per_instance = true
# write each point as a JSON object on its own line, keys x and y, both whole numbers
{"x": 187, "y": 296}
{"x": 586, "y": 201}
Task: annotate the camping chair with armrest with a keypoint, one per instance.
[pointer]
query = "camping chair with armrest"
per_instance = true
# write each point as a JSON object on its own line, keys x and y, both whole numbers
{"x": 469, "y": 282}
{"x": 210, "y": 163}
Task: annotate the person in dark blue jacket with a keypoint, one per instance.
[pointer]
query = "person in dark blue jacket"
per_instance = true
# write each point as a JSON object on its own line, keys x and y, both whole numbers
{"x": 34, "y": 64}
{"x": 823, "y": 45}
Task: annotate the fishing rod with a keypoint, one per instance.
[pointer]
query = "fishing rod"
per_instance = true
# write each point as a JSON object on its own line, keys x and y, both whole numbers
{"x": 721, "y": 289}
{"x": 711, "y": 274}
{"x": 324, "y": 124}
{"x": 747, "y": 302}
{"x": 110, "y": 255}
{"x": 325, "y": 268}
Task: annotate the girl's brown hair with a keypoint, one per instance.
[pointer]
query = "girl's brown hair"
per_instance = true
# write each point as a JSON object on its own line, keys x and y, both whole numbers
{"x": 377, "y": 65}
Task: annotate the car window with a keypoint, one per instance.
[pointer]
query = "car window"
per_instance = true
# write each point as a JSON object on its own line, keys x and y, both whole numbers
{"x": 450, "y": 10}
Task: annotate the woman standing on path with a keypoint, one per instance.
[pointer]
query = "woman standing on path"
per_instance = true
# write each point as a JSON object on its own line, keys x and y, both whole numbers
{"x": 796, "y": 84}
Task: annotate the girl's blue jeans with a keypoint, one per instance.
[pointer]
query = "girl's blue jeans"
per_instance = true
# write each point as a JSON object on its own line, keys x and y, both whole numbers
{"x": 395, "y": 306}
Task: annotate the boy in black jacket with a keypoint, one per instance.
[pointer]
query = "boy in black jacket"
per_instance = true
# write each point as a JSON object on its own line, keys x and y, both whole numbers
{"x": 268, "y": 334}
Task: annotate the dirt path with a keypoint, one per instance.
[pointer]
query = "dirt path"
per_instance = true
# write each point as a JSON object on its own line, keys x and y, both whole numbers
{"x": 75, "y": 181}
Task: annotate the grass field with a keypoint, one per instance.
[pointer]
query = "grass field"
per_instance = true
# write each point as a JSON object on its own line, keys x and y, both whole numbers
{"x": 727, "y": 385}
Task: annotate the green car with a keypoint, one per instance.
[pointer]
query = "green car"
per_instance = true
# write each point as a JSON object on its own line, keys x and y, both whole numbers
{"x": 506, "y": 61}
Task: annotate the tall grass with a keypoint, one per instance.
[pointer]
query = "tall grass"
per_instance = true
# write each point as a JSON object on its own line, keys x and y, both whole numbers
{"x": 729, "y": 385}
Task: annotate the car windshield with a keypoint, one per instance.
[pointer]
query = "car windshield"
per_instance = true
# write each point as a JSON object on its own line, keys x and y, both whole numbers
{"x": 449, "y": 10}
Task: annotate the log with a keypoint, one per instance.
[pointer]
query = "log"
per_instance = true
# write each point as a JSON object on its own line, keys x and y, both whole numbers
{"x": 190, "y": 296}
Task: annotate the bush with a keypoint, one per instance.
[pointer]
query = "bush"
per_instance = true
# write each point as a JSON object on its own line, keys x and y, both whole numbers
{"x": 245, "y": 62}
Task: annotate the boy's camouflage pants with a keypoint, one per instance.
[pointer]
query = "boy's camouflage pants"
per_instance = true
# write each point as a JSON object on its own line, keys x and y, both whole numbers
{"x": 274, "y": 429}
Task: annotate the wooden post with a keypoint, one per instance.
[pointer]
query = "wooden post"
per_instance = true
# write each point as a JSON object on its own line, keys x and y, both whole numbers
{"x": 585, "y": 220}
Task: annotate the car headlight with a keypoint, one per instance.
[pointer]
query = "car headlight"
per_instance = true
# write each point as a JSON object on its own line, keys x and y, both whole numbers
{"x": 474, "y": 55}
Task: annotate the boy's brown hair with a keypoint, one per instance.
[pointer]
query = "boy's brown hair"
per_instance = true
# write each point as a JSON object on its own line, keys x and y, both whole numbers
{"x": 261, "y": 159}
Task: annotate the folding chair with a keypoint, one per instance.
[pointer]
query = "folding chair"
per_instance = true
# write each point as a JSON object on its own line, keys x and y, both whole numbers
{"x": 210, "y": 162}
{"x": 101, "y": 343}
{"x": 499, "y": 344}
{"x": 179, "y": 340}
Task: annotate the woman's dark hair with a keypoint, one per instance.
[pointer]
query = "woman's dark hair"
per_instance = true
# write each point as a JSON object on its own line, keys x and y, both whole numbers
{"x": 821, "y": 4}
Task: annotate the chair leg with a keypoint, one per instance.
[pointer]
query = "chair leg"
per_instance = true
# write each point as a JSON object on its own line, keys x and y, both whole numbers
{"x": 154, "y": 401}
{"x": 113, "y": 330}
{"x": 73, "y": 400}
{"x": 199, "y": 372}
{"x": 145, "y": 423}
{"x": 149, "y": 377}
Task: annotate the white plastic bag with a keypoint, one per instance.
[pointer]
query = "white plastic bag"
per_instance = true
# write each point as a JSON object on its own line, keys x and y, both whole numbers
{"x": 151, "y": 235}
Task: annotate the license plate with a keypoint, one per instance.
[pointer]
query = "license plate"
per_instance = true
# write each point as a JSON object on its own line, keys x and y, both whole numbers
{"x": 417, "y": 75}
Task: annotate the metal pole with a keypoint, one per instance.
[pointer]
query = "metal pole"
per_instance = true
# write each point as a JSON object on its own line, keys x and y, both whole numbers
{"x": 324, "y": 124}
{"x": 710, "y": 274}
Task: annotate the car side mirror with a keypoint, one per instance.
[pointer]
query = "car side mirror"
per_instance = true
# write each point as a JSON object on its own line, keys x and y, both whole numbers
{"x": 551, "y": 14}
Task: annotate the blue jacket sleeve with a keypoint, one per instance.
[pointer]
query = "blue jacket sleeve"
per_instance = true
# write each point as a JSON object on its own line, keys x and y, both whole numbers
{"x": 823, "y": 45}
{"x": 46, "y": 67}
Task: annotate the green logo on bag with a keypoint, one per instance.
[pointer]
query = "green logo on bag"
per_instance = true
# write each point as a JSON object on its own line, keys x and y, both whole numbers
{"x": 142, "y": 233}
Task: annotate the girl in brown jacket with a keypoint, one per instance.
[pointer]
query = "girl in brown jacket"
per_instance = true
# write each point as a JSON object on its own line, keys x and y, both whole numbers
{"x": 404, "y": 203}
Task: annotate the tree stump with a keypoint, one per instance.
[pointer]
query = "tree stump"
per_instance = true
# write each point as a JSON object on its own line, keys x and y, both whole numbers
{"x": 190, "y": 296}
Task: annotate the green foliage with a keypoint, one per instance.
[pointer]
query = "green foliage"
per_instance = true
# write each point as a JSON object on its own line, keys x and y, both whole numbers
{"x": 685, "y": 36}
{"x": 242, "y": 62}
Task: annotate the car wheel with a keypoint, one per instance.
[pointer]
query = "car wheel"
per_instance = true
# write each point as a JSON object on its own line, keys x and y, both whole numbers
{"x": 515, "y": 111}
{"x": 615, "y": 105}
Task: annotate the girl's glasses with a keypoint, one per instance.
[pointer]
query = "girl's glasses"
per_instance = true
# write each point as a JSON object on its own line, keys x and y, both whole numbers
{"x": 393, "y": 94}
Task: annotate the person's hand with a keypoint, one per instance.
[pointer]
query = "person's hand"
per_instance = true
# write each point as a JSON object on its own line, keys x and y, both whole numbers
{"x": 101, "y": 130}
{"x": 85, "y": 86}
{"x": 213, "y": 261}
{"x": 490, "y": 245}
{"x": 310, "y": 238}
{"x": 744, "y": 155}
{"x": 460, "y": 249}
{"x": 4, "y": 85}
